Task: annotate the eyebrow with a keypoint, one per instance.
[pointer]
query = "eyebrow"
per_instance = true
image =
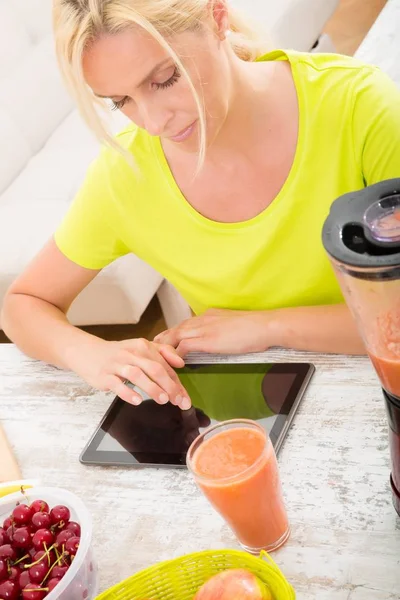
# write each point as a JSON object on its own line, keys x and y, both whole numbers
{"x": 144, "y": 80}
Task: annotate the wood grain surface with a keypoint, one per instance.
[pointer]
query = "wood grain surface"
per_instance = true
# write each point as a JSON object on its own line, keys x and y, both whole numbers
{"x": 345, "y": 542}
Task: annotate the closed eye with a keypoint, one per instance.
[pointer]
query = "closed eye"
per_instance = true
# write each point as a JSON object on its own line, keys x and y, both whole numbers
{"x": 170, "y": 82}
{"x": 119, "y": 104}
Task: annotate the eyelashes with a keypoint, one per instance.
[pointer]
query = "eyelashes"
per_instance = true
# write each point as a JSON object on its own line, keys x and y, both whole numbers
{"x": 157, "y": 86}
{"x": 170, "y": 82}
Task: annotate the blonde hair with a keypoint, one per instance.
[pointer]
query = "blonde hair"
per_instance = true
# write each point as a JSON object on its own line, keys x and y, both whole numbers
{"x": 77, "y": 23}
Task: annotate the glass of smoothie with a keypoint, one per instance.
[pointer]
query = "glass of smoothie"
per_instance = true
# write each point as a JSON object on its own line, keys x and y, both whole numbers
{"x": 234, "y": 464}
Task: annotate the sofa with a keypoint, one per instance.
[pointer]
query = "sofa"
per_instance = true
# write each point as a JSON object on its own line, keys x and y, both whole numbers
{"x": 46, "y": 148}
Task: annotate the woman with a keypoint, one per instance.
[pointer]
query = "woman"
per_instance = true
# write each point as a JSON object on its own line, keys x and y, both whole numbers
{"x": 222, "y": 184}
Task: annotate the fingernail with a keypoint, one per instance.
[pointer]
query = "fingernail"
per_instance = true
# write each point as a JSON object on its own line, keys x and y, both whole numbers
{"x": 185, "y": 404}
{"x": 136, "y": 401}
{"x": 178, "y": 400}
{"x": 163, "y": 399}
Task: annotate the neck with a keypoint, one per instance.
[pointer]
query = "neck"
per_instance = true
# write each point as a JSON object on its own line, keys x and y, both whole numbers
{"x": 249, "y": 108}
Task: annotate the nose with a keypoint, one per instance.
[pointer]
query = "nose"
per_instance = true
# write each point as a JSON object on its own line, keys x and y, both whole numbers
{"x": 155, "y": 119}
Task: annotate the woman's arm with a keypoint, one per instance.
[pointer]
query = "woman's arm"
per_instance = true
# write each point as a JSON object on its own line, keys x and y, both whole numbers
{"x": 34, "y": 317}
{"x": 329, "y": 329}
{"x": 311, "y": 328}
{"x": 35, "y": 307}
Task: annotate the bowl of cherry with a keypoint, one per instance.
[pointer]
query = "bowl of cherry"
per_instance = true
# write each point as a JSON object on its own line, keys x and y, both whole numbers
{"x": 45, "y": 546}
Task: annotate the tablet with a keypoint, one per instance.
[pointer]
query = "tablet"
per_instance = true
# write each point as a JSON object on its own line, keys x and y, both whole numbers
{"x": 159, "y": 435}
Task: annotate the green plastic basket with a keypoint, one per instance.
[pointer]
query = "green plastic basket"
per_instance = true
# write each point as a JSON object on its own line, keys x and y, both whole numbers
{"x": 181, "y": 578}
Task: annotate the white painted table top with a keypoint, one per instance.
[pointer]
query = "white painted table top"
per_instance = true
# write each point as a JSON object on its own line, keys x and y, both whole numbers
{"x": 345, "y": 542}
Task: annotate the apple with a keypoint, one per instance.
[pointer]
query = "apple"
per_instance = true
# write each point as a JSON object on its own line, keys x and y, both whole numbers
{"x": 234, "y": 584}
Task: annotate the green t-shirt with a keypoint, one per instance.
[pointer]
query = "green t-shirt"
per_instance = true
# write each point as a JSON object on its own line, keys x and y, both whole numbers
{"x": 349, "y": 132}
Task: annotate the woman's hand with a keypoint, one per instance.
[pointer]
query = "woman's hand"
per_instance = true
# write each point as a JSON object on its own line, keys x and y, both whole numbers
{"x": 146, "y": 364}
{"x": 329, "y": 328}
{"x": 221, "y": 332}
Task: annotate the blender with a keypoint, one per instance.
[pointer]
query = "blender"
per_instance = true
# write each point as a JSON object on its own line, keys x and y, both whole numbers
{"x": 362, "y": 238}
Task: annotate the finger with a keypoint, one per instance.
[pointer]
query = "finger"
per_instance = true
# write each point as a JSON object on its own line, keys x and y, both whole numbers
{"x": 186, "y": 401}
{"x": 179, "y": 397}
{"x": 197, "y": 344}
{"x": 136, "y": 374}
{"x": 159, "y": 356}
{"x": 118, "y": 387}
{"x": 152, "y": 377}
{"x": 169, "y": 337}
{"x": 171, "y": 356}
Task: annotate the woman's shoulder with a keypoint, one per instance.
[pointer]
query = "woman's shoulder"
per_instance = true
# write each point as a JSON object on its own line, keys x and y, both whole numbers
{"x": 320, "y": 69}
{"x": 332, "y": 67}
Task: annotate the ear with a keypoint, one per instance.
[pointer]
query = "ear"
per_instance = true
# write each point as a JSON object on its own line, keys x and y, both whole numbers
{"x": 220, "y": 15}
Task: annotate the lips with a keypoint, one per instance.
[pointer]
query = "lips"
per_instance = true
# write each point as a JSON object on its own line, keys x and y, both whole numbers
{"x": 184, "y": 134}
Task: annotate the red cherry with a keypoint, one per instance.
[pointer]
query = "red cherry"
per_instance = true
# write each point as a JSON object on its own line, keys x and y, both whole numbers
{"x": 72, "y": 545}
{"x": 41, "y": 520}
{"x": 7, "y": 523}
{"x": 38, "y": 572}
{"x": 64, "y": 561}
{"x": 10, "y": 534}
{"x": 24, "y": 579}
{"x": 60, "y": 515}
{"x": 22, "y": 538}
{"x": 59, "y": 572}
{"x": 3, "y": 570}
{"x": 41, "y": 538}
{"x": 47, "y": 558}
{"x": 40, "y": 506}
{"x": 74, "y": 527}
{"x": 53, "y": 582}
{"x": 63, "y": 537}
{"x": 3, "y": 537}
{"x": 22, "y": 515}
{"x": 33, "y": 591}
{"x": 14, "y": 573}
{"x": 7, "y": 551}
{"x": 9, "y": 590}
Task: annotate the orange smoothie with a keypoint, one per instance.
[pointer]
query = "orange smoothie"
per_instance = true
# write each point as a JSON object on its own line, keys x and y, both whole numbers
{"x": 389, "y": 373}
{"x": 238, "y": 472}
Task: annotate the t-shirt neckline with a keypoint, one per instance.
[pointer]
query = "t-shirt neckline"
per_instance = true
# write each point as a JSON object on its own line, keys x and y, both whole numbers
{"x": 272, "y": 207}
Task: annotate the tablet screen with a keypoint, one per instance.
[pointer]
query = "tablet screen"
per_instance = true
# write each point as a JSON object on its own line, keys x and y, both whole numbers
{"x": 153, "y": 434}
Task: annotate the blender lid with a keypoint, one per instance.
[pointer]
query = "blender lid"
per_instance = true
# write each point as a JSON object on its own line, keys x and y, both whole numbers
{"x": 363, "y": 227}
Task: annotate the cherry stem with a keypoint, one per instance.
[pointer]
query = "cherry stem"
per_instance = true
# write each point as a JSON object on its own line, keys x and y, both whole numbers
{"x": 51, "y": 568}
{"x": 25, "y": 495}
{"x": 37, "y": 590}
{"x": 20, "y": 559}
{"x": 47, "y": 553}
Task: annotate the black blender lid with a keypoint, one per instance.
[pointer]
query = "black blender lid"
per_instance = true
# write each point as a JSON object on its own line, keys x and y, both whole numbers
{"x": 363, "y": 227}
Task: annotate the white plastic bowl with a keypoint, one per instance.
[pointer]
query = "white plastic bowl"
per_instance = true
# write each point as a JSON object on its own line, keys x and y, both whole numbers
{"x": 81, "y": 580}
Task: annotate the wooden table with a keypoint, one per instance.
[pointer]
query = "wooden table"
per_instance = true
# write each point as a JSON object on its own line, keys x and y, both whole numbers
{"x": 345, "y": 542}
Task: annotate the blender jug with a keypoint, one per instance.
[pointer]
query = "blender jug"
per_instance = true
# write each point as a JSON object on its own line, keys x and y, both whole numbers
{"x": 362, "y": 238}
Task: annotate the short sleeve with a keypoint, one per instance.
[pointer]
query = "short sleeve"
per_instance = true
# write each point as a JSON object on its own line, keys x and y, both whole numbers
{"x": 88, "y": 234}
{"x": 376, "y": 126}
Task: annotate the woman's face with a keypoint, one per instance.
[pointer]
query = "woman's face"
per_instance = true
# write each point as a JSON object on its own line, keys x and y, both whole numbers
{"x": 142, "y": 80}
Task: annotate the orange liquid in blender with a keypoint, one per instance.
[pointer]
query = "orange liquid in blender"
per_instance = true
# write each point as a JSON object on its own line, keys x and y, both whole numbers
{"x": 389, "y": 373}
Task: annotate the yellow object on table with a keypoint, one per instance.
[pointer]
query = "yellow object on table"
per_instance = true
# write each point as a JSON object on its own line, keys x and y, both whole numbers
{"x": 181, "y": 578}
{"x": 10, "y": 487}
